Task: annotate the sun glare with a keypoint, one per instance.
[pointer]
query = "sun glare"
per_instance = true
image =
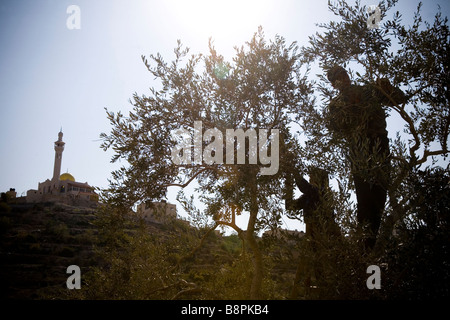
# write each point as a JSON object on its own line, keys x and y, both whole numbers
{"x": 220, "y": 19}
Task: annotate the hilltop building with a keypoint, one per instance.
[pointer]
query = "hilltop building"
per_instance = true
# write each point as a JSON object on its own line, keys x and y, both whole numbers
{"x": 63, "y": 188}
{"x": 159, "y": 212}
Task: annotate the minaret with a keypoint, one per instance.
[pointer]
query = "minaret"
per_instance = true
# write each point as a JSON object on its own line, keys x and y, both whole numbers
{"x": 59, "y": 148}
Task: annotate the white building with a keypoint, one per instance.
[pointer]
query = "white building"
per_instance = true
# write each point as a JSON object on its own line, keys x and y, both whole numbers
{"x": 160, "y": 212}
{"x": 62, "y": 187}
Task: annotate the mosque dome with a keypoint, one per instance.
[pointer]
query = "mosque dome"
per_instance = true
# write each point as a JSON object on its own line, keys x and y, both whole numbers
{"x": 66, "y": 176}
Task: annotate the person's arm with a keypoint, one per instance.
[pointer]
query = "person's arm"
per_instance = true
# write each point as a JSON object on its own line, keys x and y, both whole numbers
{"x": 304, "y": 186}
{"x": 289, "y": 202}
{"x": 388, "y": 94}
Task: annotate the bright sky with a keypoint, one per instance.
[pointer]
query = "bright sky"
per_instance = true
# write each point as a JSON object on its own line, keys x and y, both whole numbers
{"x": 53, "y": 77}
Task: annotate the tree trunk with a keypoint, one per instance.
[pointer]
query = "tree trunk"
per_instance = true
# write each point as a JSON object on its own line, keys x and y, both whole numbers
{"x": 255, "y": 290}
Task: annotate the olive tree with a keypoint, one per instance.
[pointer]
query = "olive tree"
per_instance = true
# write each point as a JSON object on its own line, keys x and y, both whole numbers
{"x": 178, "y": 134}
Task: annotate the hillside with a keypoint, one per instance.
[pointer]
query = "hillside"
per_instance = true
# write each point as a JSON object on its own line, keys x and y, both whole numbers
{"x": 38, "y": 243}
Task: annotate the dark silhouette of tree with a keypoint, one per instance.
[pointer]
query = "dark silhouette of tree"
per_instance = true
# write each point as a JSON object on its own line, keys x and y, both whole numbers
{"x": 418, "y": 254}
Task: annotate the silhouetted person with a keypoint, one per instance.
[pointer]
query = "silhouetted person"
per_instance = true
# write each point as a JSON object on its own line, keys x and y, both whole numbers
{"x": 317, "y": 212}
{"x": 356, "y": 116}
{"x": 319, "y": 220}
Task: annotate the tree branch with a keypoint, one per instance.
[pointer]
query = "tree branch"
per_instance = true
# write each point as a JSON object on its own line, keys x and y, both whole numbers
{"x": 194, "y": 251}
{"x": 428, "y": 153}
{"x": 187, "y": 182}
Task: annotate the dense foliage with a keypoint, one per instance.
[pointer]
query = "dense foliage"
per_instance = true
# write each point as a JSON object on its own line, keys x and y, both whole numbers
{"x": 268, "y": 85}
